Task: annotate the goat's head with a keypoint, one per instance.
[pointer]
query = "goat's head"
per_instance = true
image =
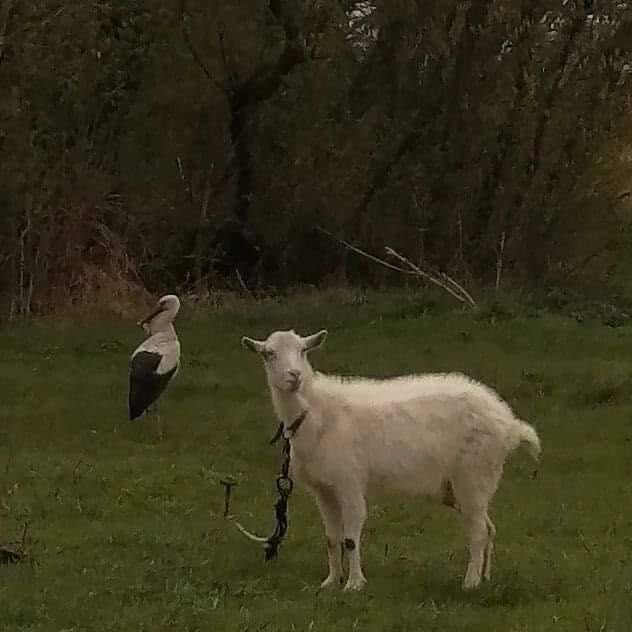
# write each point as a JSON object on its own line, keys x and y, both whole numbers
{"x": 284, "y": 355}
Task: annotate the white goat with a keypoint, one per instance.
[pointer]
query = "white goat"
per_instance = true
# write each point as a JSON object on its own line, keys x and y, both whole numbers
{"x": 441, "y": 435}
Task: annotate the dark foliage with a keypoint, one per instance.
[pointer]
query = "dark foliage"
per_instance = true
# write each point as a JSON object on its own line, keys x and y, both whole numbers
{"x": 197, "y": 145}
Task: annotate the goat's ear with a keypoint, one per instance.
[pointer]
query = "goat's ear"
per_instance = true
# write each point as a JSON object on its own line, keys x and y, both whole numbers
{"x": 315, "y": 340}
{"x": 251, "y": 344}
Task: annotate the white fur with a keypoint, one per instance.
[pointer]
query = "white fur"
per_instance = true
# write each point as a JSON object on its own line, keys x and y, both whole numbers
{"x": 418, "y": 433}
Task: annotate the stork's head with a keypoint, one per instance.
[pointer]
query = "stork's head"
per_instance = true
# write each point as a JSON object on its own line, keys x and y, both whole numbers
{"x": 162, "y": 315}
{"x": 284, "y": 355}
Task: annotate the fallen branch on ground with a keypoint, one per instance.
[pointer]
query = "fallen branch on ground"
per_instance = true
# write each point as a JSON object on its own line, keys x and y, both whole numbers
{"x": 440, "y": 279}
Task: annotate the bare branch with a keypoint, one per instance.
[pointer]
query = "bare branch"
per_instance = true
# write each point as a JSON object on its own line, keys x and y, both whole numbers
{"x": 359, "y": 251}
{"x": 183, "y": 177}
{"x": 6, "y": 12}
{"x": 186, "y": 34}
{"x": 551, "y": 95}
{"x": 500, "y": 259}
{"x": 448, "y": 279}
{"x": 242, "y": 282}
{"x": 266, "y": 79}
{"x": 229, "y": 72}
{"x": 25, "y": 531}
{"x": 443, "y": 280}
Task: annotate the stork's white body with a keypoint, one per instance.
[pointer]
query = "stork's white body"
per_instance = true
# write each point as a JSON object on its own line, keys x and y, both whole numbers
{"x": 156, "y": 361}
{"x": 166, "y": 344}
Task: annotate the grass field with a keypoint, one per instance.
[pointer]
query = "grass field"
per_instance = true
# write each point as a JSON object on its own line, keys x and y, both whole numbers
{"x": 126, "y": 531}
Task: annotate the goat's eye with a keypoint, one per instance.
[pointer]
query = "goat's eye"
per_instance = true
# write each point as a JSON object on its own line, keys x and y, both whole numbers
{"x": 268, "y": 355}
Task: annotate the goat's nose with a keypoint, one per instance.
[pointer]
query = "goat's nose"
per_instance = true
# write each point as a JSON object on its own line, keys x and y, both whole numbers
{"x": 295, "y": 374}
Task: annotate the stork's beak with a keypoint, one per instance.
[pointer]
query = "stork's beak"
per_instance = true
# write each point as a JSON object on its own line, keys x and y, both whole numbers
{"x": 150, "y": 317}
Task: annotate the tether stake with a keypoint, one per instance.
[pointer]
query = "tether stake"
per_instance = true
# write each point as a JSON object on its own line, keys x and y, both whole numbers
{"x": 284, "y": 485}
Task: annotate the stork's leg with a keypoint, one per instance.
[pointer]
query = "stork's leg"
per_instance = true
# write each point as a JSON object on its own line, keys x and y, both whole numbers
{"x": 155, "y": 411}
{"x": 158, "y": 422}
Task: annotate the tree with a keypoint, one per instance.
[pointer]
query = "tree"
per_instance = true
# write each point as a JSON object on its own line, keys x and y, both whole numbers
{"x": 186, "y": 146}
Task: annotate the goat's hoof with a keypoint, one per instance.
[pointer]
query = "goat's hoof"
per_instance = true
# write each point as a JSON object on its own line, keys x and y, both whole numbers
{"x": 331, "y": 581}
{"x": 470, "y": 583}
{"x": 355, "y": 585}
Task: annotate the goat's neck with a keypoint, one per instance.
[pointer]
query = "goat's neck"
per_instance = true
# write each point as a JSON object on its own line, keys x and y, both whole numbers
{"x": 289, "y": 406}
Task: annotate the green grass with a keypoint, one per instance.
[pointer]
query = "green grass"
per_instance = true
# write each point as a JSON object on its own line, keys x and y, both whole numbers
{"x": 127, "y": 531}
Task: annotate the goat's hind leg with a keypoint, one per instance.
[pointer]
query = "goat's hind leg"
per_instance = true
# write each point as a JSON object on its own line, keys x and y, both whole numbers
{"x": 449, "y": 500}
{"x": 478, "y": 537}
{"x": 475, "y": 480}
{"x": 473, "y": 501}
{"x": 489, "y": 549}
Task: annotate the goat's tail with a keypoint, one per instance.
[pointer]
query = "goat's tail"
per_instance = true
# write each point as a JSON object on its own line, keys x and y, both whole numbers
{"x": 524, "y": 432}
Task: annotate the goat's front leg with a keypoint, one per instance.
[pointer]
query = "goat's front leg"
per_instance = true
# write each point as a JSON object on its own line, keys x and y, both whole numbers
{"x": 353, "y": 518}
{"x": 332, "y": 518}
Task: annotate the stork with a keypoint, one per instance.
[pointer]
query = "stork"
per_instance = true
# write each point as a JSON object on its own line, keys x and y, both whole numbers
{"x": 156, "y": 361}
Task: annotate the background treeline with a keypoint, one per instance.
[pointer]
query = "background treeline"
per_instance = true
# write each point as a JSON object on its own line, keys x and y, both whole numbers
{"x": 198, "y": 144}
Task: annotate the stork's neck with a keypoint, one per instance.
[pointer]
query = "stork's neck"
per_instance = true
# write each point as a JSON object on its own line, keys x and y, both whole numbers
{"x": 165, "y": 329}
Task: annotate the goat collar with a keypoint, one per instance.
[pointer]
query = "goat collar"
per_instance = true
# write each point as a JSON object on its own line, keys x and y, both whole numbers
{"x": 288, "y": 432}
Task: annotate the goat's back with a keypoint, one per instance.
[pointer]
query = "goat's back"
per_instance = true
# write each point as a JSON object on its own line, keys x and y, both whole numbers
{"x": 430, "y": 386}
{"x": 434, "y": 414}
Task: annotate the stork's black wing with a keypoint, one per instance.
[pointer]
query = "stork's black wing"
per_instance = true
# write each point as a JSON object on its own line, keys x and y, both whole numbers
{"x": 145, "y": 384}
